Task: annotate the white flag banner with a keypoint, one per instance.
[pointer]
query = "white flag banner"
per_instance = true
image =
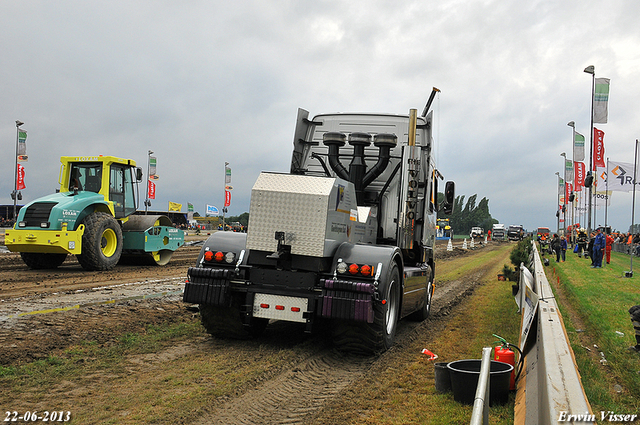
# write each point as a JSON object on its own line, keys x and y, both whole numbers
{"x": 601, "y": 101}
{"x": 568, "y": 170}
{"x": 578, "y": 147}
{"x": 600, "y": 199}
{"x": 619, "y": 178}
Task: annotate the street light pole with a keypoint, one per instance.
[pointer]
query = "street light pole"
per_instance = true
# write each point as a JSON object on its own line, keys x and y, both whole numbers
{"x": 564, "y": 194}
{"x": 591, "y": 70}
{"x": 224, "y": 204}
{"x": 573, "y": 159}
{"x": 15, "y": 174}
{"x": 558, "y": 204}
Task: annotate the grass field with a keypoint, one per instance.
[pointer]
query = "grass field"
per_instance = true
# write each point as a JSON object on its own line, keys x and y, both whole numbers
{"x": 595, "y": 304}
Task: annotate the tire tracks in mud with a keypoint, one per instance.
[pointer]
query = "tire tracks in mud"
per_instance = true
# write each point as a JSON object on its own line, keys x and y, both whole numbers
{"x": 299, "y": 394}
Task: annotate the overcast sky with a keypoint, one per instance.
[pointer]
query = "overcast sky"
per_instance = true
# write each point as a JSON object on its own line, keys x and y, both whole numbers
{"x": 204, "y": 82}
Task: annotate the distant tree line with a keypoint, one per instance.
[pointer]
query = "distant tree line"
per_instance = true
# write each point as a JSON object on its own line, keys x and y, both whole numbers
{"x": 464, "y": 217}
{"x": 242, "y": 219}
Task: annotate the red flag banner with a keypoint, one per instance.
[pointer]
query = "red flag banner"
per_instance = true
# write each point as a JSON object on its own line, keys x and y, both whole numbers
{"x": 20, "y": 182}
{"x": 579, "y": 177}
{"x": 152, "y": 190}
{"x": 568, "y": 188}
{"x": 227, "y": 198}
{"x": 598, "y": 148}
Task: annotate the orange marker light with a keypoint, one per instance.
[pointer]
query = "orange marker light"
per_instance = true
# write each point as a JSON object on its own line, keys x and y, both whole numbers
{"x": 354, "y": 269}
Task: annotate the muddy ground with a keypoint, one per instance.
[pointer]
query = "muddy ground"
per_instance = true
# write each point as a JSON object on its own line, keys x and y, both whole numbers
{"x": 44, "y": 312}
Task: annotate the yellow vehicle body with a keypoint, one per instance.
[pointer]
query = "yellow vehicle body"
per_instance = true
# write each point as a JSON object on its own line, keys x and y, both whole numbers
{"x": 45, "y": 241}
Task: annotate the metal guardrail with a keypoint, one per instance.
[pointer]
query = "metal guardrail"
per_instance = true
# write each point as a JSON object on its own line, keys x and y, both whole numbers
{"x": 480, "y": 413}
{"x": 549, "y": 390}
{"x": 626, "y": 249}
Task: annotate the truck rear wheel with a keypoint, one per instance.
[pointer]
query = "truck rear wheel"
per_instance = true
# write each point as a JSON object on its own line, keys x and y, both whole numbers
{"x": 101, "y": 242}
{"x": 38, "y": 260}
{"x": 227, "y": 322}
{"x": 424, "y": 312}
{"x": 372, "y": 338}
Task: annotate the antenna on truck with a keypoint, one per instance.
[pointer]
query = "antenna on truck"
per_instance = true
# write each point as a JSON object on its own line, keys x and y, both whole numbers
{"x": 428, "y": 105}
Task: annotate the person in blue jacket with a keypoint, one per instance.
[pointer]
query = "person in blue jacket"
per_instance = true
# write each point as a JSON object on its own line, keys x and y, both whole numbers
{"x": 598, "y": 245}
{"x": 563, "y": 248}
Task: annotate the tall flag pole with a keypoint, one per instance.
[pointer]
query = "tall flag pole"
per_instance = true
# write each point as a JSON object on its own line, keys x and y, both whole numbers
{"x": 227, "y": 193}
{"x": 151, "y": 176}
{"x": 633, "y": 208}
{"x": 21, "y": 155}
{"x": 591, "y": 70}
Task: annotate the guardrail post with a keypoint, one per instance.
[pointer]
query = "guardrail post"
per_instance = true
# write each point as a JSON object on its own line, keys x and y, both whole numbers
{"x": 480, "y": 414}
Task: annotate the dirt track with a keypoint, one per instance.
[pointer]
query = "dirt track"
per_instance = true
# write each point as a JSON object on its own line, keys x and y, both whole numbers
{"x": 99, "y": 307}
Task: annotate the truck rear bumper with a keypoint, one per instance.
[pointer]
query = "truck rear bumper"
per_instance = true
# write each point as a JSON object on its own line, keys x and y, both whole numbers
{"x": 44, "y": 241}
{"x": 332, "y": 299}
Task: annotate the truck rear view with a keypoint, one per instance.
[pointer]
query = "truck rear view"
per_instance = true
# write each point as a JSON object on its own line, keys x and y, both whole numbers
{"x": 346, "y": 237}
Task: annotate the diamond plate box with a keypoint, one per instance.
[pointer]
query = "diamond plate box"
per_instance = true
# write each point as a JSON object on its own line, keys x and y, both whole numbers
{"x": 316, "y": 214}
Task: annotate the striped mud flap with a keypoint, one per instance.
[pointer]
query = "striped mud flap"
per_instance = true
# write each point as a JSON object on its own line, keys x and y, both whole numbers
{"x": 343, "y": 299}
{"x": 207, "y": 286}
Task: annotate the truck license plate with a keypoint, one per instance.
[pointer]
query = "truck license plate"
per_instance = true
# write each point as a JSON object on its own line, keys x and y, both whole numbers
{"x": 280, "y": 307}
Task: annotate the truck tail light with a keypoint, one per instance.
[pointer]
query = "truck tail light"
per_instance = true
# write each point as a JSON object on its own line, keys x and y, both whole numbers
{"x": 355, "y": 269}
{"x": 219, "y": 256}
{"x": 366, "y": 270}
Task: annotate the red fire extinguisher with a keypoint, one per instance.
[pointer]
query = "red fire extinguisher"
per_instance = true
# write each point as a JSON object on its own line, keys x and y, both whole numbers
{"x": 504, "y": 354}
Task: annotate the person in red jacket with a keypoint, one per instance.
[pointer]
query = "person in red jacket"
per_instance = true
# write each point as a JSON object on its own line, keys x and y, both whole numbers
{"x": 609, "y": 241}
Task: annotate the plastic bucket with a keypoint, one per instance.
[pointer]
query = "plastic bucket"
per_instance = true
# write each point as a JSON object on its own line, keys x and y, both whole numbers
{"x": 464, "y": 376}
{"x": 442, "y": 377}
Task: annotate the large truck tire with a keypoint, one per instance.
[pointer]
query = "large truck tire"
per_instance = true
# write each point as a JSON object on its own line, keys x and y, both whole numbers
{"x": 101, "y": 242}
{"x": 227, "y": 322}
{"x": 39, "y": 260}
{"x": 376, "y": 337}
{"x": 423, "y": 313}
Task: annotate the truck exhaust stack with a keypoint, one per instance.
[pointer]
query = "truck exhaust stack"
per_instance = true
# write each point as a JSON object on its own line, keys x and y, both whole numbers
{"x": 358, "y": 174}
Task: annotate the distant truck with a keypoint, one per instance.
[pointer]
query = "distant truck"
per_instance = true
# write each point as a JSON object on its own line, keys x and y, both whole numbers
{"x": 515, "y": 232}
{"x": 443, "y": 229}
{"x": 476, "y": 232}
{"x": 498, "y": 232}
{"x": 543, "y": 231}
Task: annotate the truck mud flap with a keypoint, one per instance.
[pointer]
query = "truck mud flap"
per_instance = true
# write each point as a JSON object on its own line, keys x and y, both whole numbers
{"x": 347, "y": 300}
{"x": 207, "y": 286}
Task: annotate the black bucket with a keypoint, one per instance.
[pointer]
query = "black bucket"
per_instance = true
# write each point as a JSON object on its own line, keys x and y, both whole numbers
{"x": 464, "y": 380}
{"x": 442, "y": 377}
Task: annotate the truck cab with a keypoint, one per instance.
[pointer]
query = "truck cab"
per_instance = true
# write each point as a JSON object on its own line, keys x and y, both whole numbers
{"x": 347, "y": 236}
